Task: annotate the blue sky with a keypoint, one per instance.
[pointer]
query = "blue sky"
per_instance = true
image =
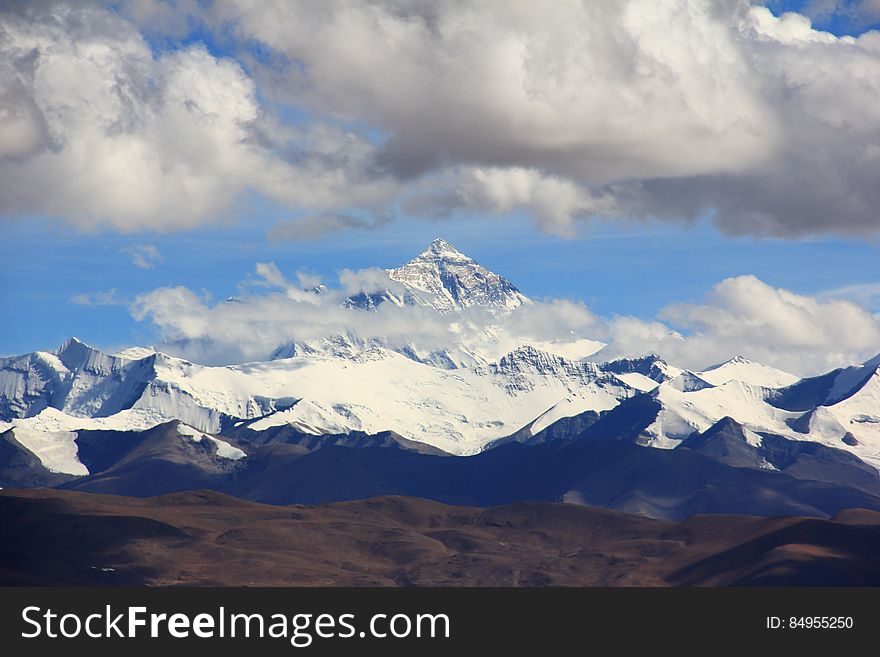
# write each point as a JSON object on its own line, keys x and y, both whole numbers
{"x": 836, "y": 16}
{"x": 615, "y": 268}
{"x": 794, "y": 165}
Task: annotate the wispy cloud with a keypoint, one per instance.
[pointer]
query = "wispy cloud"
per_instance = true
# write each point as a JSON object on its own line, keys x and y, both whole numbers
{"x": 106, "y": 298}
{"x": 865, "y": 294}
{"x": 143, "y": 256}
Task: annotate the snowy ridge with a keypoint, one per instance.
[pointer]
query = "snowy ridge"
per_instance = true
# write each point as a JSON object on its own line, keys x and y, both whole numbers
{"x": 48, "y": 396}
{"x": 457, "y": 410}
{"x": 354, "y": 348}
{"x": 851, "y": 379}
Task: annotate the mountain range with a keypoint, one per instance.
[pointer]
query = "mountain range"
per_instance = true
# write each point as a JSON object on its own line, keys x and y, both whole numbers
{"x": 343, "y": 417}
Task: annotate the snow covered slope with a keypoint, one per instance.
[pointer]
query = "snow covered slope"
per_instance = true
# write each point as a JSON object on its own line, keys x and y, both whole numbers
{"x": 684, "y": 413}
{"x": 74, "y": 378}
{"x": 372, "y": 389}
{"x": 47, "y": 397}
{"x": 51, "y": 435}
{"x": 458, "y": 411}
{"x": 853, "y": 421}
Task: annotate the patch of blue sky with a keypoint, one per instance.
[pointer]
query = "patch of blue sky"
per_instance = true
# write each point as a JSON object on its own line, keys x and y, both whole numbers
{"x": 840, "y": 17}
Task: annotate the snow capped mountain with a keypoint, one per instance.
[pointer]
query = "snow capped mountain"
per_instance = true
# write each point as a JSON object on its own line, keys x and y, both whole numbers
{"x": 52, "y": 435}
{"x": 461, "y": 398}
{"x": 47, "y": 397}
{"x": 683, "y": 413}
{"x": 644, "y": 373}
{"x": 445, "y": 279}
{"x": 744, "y": 370}
{"x": 853, "y": 420}
{"x": 73, "y": 378}
{"x": 688, "y": 404}
{"x": 370, "y": 390}
{"x": 83, "y": 382}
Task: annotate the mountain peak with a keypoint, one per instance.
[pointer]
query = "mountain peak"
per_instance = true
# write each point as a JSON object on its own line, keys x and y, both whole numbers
{"x": 440, "y": 249}
{"x": 736, "y": 360}
{"x": 444, "y": 278}
{"x": 747, "y": 371}
{"x": 73, "y": 344}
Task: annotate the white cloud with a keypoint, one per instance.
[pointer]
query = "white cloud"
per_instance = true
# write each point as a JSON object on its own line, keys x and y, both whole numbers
{"x": 628, "y": 109}
{"x": 143, "y": 256}
{"x": 134, "y": 141}
{"x": 739, "y": 316}
{"x": 367, "y": 281}
{"x": 259, "y": 321}
{"x": 308, "y": 280}
{"x": 745, "y": 316}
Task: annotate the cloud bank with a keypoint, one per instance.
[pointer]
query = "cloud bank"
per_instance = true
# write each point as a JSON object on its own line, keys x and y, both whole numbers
{"x": 345, "y": 110}
{"x": 738, "y": 316}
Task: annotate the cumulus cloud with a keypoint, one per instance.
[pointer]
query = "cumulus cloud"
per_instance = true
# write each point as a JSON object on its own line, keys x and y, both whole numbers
{"x": 745, "y": 316}
{"x": 553, "y": 202}
{"x": 102, "y": 132}
{"x": 354, "y": 111}
{"x": 367, "y": 281}
{"x": 628, "y": 109}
